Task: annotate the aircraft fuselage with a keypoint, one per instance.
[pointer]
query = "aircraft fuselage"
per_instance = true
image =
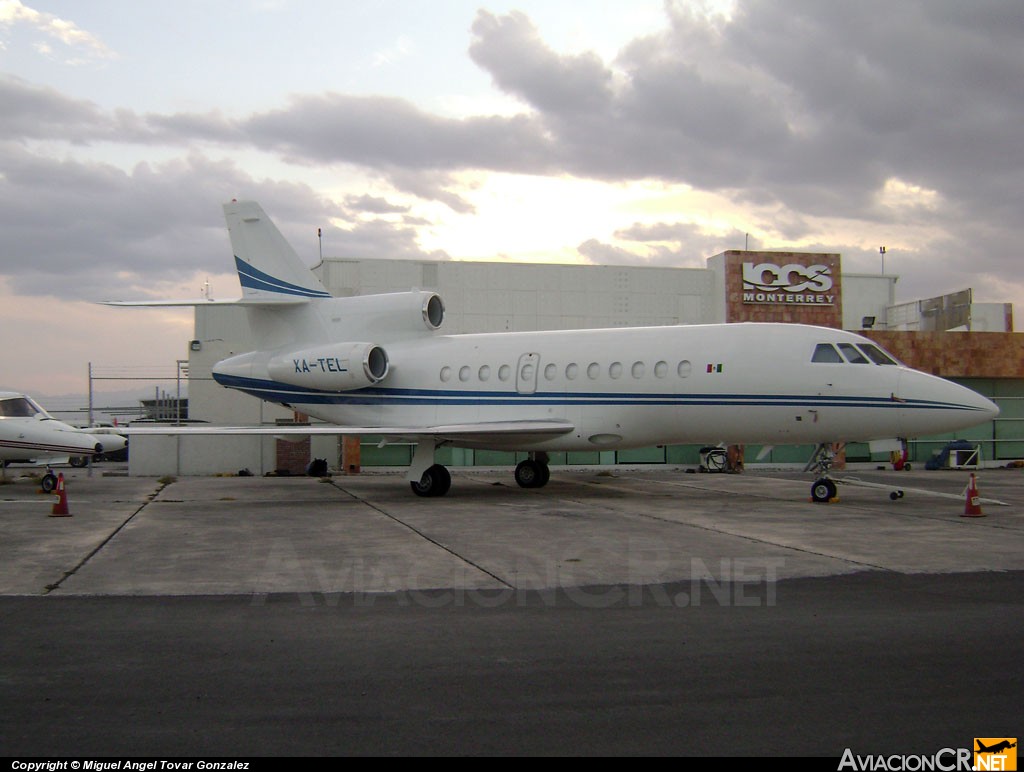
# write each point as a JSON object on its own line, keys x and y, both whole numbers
{"x": 626, "y": 387}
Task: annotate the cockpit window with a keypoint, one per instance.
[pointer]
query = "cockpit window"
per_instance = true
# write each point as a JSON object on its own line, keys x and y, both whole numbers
{"x": 826, "y": 352}
{"x": 876, "y": 354}
{"x": 852, "y": 354}
{"x": 19, "y": 407}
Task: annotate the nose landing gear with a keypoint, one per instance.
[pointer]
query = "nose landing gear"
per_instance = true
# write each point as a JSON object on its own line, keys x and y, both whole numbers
{"x": 49, "y": 481}
{"x": 824, "y": 489}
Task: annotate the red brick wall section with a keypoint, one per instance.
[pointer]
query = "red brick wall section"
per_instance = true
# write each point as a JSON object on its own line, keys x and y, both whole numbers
{"x": 294, "y": 457}
{"x": 350, "y": 454}
{"x": 736, "y": 310}
{"x": 956, "y": 354}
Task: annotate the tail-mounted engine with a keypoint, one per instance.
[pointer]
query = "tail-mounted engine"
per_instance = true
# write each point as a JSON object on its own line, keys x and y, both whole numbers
{"x": 387, "y": 317}
{"x": 331, "y": 367}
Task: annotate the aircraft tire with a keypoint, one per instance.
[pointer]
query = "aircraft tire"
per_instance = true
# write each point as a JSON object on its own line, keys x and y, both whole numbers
{"x": 48, "y": 483}
{"x": 532, "y": 474}
{"x": 78, "y": 461}
{"x": 823, "y": 490}
{"x": 436, "y": 481}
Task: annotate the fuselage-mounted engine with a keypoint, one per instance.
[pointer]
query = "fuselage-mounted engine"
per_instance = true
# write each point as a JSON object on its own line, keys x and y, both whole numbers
{"x": 331, "y": 366}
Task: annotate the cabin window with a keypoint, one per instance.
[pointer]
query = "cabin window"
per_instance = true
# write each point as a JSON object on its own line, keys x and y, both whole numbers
{"x": 638, "y": 370}
{"x": 571, "y": 371}
{"x": 852, "y": 354}
{"x": 615, "y": 371}
{"x": 661, "y": 369}
{"x": 826, "y": 352}
{"x": 504, "y": 373}
{"x": 876, "y": 354}
{"x": 485, "y": 373}
{"x": 684, "y": 369}
{"x": 464, "y": 373}
{"x": 446, "y": 374}
{"x": 550, "y": 372}
{"x": 593, "y": 370}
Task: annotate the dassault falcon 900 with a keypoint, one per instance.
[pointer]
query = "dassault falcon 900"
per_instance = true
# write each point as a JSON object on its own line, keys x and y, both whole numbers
{"x": 380, "y": 365}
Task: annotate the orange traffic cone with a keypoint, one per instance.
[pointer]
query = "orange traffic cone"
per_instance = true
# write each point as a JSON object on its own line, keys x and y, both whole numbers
{"x": 972, "y": 508}
{"x": 60, "y": 509}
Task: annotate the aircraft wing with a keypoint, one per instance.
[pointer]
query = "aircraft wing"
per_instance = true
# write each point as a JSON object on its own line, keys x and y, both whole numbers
{"x": 481, "y": 431}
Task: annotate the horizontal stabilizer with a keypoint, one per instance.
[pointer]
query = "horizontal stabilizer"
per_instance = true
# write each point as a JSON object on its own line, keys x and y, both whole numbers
{"x": 260, "y": 301}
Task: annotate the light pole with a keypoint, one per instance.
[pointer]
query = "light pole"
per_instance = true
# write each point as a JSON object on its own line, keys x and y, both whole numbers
{"x": 881, "y": 251}
{"x": 182, "y": 366}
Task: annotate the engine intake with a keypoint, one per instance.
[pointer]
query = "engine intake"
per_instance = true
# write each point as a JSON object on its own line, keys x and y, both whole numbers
{"x": 433, "y": 311}
{"x": 331, "y": 367}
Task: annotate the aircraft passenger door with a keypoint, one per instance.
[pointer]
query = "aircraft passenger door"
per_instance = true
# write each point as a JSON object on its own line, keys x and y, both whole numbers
{"x": 526, "y": 373}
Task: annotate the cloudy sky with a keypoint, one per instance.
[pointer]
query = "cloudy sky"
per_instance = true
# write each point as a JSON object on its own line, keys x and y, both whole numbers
{"x": 629, "y": 132}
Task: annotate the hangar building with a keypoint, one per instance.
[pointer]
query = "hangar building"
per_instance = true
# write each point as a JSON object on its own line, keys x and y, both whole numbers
{"x": 949, "y": 336}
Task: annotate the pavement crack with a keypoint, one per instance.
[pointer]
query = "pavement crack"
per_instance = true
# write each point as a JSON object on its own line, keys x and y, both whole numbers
{"x": 68, "y": 574}
{"x": 422, "y": 535}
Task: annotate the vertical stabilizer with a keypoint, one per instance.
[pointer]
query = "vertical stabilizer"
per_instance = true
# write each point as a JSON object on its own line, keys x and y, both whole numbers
{"x": 268, "y": 267}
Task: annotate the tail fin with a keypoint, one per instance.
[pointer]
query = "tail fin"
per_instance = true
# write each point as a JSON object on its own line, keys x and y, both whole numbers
{"x": 268, "y": 267}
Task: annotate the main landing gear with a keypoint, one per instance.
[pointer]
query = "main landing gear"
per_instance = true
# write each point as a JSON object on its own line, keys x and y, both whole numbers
{"x": 428, "y": 479}
{"x": 425, "y": 477}
{"x": 534, "y": 472}
{"x": 434, "y": 482}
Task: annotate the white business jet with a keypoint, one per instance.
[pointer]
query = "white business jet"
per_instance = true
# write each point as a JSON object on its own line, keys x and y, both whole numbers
{"x": 30, "y": 434}
{"x": 380, "y": 365}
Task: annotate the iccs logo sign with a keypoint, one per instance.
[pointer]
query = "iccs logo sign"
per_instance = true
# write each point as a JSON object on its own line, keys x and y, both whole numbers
{"x": 788, "y": 284}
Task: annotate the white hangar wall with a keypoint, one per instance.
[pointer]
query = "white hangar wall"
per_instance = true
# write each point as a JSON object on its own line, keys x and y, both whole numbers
{"x": 494, "y": 297}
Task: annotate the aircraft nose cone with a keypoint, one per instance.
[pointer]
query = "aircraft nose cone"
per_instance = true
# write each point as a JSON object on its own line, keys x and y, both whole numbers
{"x": 981, "y": 407}
{"x": 935, "y": 405}
{"x": 990, "y": 408}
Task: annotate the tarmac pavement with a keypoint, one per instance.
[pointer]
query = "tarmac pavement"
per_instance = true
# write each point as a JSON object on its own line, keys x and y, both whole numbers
{"x": 639, "y": 610}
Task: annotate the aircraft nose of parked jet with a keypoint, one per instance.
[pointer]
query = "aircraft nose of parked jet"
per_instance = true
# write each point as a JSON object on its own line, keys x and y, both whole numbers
{"x": 989, "y": 408}
{"x": 983, "y": 408}
{"x": 933, "y": 405}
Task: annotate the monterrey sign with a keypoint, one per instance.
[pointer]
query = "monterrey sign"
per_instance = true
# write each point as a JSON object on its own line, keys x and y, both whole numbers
{"x": 791, "y": 284}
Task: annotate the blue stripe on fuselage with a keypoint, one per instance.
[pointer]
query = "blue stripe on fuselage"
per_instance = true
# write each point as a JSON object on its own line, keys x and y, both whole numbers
{"x": 274, "y": 391}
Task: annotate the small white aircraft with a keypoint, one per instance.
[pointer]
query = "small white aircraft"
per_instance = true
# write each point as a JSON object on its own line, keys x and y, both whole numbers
{"x": 30, "y": 434}
{"x": 379, "y": 365}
